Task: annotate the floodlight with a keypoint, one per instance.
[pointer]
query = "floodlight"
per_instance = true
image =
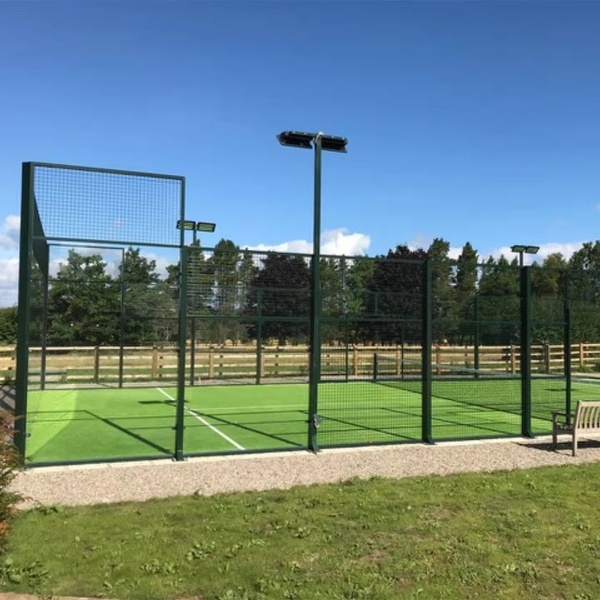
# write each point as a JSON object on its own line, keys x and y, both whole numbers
{"x": 188, "y": 225}
{"x": 207, "y": 227}
{"x": 301, "y": 139}
{"x": 524, "y": 249}
{"x": 296, "y": 139}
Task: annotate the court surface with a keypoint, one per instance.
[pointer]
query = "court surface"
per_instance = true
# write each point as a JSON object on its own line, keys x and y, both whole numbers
{"x": 95, "y": 424}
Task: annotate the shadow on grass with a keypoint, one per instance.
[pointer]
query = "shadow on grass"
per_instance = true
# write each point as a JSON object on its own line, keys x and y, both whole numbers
{"x": 245, "y": 427}
{"x": 447, "y": 422}
{"x": 130, "y": 433}
{"x": 363, "y": 427}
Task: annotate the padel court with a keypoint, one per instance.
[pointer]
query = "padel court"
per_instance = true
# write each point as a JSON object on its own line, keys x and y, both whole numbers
{"x": 87, "y": 424}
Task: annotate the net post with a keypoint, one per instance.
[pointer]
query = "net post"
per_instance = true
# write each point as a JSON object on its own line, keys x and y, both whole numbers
{"x": 526, "y": 339}
{"x": 427, "y": 340}
{"x": 375, "y": 367}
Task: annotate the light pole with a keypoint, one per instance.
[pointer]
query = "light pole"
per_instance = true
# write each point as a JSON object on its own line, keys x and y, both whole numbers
{"x": 194, "y": 226}
{"x": 521, "y": 249}
{"x": 525, "y": 337}
{"x": 320, "y": 142}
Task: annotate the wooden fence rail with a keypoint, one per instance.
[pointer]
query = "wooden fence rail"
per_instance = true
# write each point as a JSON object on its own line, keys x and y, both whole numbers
{"x": 102, "y": 364}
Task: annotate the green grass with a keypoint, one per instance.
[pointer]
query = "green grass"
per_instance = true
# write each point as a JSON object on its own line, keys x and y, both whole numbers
{"x": 509, "y": 535}
{"x": 88, "y": 424}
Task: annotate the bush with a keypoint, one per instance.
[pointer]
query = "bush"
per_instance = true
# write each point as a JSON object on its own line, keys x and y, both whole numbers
{"x": 9, "y": 461}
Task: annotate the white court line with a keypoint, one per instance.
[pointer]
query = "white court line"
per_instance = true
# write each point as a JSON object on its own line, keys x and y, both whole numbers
{"x": 205, "y": 422}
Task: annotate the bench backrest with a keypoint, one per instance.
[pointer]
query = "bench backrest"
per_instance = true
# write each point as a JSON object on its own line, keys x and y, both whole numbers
{"x": 587, "y": 415}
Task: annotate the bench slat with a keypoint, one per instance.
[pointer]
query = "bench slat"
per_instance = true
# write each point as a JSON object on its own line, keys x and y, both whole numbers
{"x": 586, "y": 419}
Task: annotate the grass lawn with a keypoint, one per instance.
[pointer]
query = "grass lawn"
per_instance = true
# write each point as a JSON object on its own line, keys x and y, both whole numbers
{"x": 87, "y": 424}
{"x": 509, "y": 535}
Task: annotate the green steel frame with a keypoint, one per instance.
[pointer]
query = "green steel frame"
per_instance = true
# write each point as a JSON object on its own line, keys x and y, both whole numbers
{"x": 30, "y": 242}
{"x": 35, "y": 241}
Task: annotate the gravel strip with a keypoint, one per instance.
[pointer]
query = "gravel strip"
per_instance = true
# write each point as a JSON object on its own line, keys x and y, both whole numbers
{"x": 135, "y": 481}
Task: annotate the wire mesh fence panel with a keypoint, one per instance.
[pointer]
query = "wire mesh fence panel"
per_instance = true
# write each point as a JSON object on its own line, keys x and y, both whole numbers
{"x": 476, "y": 381}
{"x": 248, "y": 316}
{"x": 99, "y": 308}
{"x": 583, "y": 377}
{"x": 373, "y": 308}
{"x": 549, "y": 341}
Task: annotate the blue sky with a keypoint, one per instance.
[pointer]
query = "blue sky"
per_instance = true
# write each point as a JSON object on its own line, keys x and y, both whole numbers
{"x": 471, "y": 121}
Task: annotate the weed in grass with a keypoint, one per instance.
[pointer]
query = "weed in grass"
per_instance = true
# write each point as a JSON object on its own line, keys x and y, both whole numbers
{"x": 32, "y": 575}
{"x": 158, "y": 567}
{"x": 200, "y": 551}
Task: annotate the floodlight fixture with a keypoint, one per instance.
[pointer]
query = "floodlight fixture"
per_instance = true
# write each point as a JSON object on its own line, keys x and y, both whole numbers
{"x": 196, "y": 226}
{"x": 302, "y": 139}
{"x": 521, "y": 249}
{"x": 187, "y": 225}
{"x": 206, "y": 227}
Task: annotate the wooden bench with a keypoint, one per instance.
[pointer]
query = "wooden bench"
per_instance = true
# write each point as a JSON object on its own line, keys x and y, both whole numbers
{"x": 585, "y": 420}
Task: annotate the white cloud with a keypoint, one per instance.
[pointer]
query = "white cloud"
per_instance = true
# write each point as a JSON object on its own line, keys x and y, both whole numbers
{"x": 334, "y": 241}
{"x": 423, "y": 242}
{"x": 566, "y": 249}
{"x": 9, "y": 231}
{"x": 9, "y": 277}
{"x": 454, "y": 253}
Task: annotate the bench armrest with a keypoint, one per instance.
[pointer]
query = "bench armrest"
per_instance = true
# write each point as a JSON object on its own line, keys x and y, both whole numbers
{"x": 557, "y": 413}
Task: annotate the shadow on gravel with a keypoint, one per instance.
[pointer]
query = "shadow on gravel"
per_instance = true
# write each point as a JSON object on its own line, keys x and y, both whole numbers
{"x": 562, "y": 446}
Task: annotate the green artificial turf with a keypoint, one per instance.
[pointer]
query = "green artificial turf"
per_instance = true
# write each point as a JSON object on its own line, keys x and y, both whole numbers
{"x": 88, "y": 424}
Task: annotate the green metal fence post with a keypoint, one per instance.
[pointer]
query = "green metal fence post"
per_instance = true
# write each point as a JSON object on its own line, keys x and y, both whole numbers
{"x": 44, "y": 333}
{"x": 122, "y": 335}
{"x": 567, "y": 361}
{"x": 375, "y": 367}
{"x": 346, "y": 355}
{"x": 315, "y": 312}
{"x": 25, "y": 251}
{"x": 526, "y": 339}
{"x": 180, "y": 412}
{"x": 193, "y": 353}
{"x": 259, "y": 340}
{"x": 476, "y": 341}
{"x": 427, "y": 340}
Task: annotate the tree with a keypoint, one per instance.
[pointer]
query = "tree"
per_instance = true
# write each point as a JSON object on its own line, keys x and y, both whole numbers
{"x": 332, "y": 297}
{"x": 498, "y": 301}
{"x": 83, "y": 303}
{"x": 444, "y": 304}
{"x": 584, "y": 292}
{"x": 356, "y": 298}
{"x": 224, "y": 264}
{"x": 281, "y": 295}
{"x": 200, "y": 293}
{"x": 396, "y": 296}
{"x": 8, "y": 325}
{"x": 138, "y": 283}
{"x": 548, "y": 286}
{"x": 466, "y": 292}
